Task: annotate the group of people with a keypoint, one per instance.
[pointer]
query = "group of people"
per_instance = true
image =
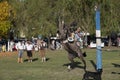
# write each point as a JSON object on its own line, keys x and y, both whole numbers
{"x": 55, "y": 44}
{"x": 2, "y": 45}
{"x": 40, "y": 46}
{"x": 2, "y": 48}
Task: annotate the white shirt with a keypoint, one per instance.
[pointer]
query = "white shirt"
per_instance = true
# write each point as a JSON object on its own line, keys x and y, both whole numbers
{"x": 29, "y": 47}
{"x": 20, "y": 46}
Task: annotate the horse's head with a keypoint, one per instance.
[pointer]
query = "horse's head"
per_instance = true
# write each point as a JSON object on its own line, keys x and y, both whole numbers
{"x": 64, "y": 32}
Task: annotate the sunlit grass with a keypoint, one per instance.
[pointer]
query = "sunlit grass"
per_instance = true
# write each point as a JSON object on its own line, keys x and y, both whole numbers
{"x": 54, "y": 68}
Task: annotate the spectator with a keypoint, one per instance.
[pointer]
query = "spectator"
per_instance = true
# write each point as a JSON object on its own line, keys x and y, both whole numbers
{"x": 11, "y": 45}
{"x": 118, "y": 41}
{"x": 42, "y": 50}
{"x": 53, "y": 43}
{"x": 4, "y": 48}
{"x": 79, "y": 37}
{"x": 58, "y": 45}
{"x": 36, "y": 47}
{"x": 29, "y": 48}
{"x": 20, "y": 47}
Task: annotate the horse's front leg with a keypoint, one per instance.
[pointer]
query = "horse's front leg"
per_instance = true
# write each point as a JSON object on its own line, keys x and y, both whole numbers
{"x": 71, "y": 59}
{"x": 81, "y": 56}
{"x": 84, "y": 62}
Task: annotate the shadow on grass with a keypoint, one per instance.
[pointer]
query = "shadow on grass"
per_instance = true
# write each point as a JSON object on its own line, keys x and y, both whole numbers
{"x": 75, "y": 65}
{"x": 93, "y": 63}
{"x": 35, "y": 59}
{"x": 116, "y": 65}
{"x": 47, "y": 59}
{"x": 109, "y": 50}
{"x": 115, "y": 73}
{"x": 88, "y": 75}
{"x": 25, "y": 60}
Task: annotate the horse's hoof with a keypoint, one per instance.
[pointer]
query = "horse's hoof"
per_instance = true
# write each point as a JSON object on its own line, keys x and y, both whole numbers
{"x": 69, "y": 68}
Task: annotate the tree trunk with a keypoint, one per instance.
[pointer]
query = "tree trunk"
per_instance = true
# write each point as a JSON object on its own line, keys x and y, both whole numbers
{"x": 109, "y": 43}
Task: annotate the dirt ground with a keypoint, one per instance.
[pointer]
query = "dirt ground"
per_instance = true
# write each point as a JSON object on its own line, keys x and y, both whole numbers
{"x": 15, "y": 52}
{"x": 8, "y": 53}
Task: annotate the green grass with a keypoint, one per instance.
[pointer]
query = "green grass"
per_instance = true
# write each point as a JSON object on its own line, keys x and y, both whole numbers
{"x": 54, "y": 68}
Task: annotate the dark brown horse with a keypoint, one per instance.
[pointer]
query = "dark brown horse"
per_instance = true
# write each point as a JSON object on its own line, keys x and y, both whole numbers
{"x": 71, "y": 47}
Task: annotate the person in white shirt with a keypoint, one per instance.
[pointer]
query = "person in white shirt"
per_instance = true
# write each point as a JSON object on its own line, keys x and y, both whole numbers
{"x": 20, "y": 47}
{"x": 29, "y": 48}
{"x": 11, "y": 45}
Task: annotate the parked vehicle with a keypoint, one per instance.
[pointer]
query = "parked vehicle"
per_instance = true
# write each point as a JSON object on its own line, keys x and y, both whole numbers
{"x": 93, "y": 44}
{"x": 105, "y": 41}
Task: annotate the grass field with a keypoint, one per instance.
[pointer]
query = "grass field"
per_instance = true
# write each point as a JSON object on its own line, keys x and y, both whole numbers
{"x": 55, "y": 68}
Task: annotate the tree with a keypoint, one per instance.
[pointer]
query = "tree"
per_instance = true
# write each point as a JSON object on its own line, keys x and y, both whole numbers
{"x": 5, "y": 14}
{"x": 45, "y": 16}
{"x": 36, "y": 16}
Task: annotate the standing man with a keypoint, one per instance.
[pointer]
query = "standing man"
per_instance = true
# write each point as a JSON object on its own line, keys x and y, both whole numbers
{"x": 29, "y": 48}
{"x": 20, "y": 47}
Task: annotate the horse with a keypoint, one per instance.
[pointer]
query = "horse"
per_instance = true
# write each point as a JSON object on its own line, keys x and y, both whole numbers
{"x": 71, "y": 47}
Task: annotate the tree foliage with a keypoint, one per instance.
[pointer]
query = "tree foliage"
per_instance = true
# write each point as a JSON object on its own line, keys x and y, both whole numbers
{"x": 5, "y": 13}
{"x": 34, "y": 17}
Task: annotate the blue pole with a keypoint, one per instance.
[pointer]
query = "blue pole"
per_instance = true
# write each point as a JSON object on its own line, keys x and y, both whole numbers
{"x": 98, "y": 42}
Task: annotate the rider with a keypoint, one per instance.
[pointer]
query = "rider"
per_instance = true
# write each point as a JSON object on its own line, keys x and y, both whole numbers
{"x": 79, "y": 37}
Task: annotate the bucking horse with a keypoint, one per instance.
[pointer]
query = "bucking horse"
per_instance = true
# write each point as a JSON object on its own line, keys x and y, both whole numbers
{"x": 73, "y": 50}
